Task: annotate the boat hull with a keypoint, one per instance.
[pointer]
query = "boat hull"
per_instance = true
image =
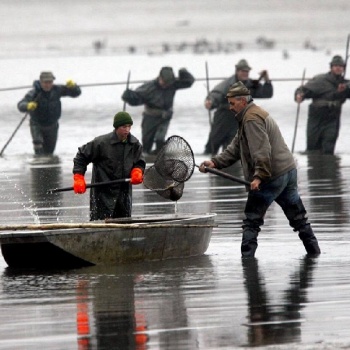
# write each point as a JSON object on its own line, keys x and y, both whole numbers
{"x": 116, "y": 243}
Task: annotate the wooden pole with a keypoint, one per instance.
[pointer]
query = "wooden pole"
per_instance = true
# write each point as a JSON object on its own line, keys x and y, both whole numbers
{"x": 97, "y": 184}
{"x": 14, "y": 133}
{"x": 346, "y": 55}
{"x": 209, "y": 111}
{"x": 139, "y": 82}
{"x": 297, "y": 116}
{"x": 127, "y": 87}
{"x": 225, "y": 175}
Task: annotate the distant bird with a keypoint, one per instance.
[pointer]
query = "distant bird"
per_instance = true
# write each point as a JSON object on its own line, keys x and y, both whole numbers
{"x": 183, "y": 23}
{"x": 285, "y": 54}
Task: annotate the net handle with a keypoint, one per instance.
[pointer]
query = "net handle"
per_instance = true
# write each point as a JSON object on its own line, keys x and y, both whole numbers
{"x": 225, "y": 175}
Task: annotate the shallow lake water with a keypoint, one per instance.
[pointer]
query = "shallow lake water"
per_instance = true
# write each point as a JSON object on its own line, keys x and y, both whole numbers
{"x": 279, "y": 300}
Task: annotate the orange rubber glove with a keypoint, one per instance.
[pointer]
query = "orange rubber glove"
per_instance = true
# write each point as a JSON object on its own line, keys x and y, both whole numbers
{"x": 79, "y": 183}
{"x": 136, "y": 176}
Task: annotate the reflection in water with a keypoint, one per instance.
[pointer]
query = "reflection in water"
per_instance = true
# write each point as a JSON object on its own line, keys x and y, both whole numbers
{"x": 117, "y": 325}
{"x": 271, "y": 323}
{"x": 326, "y": 188}
{"x": 125, "y": 307}
{"x": 44, "y": 178}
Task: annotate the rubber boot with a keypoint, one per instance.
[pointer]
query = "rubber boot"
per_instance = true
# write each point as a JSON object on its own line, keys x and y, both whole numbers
{"x": 296, "y": 215}
{"x": 309, "y": 240}
{"x": 249, "y": 243}
{"x": 38, "y": 150}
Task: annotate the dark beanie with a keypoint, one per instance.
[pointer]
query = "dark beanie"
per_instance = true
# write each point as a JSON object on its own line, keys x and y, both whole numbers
{"x": 337, "y": 61}
{"x": 122, "y": 118}
{"x": 167, "y": 74}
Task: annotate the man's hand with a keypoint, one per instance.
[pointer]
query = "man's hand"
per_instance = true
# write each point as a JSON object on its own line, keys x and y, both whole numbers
{"x": 70, "y": 84}
{"x": 79, "y": 185}
{"x": 255, "y": 184}
{"x": 265, "y": 75}
{"x": 32, "y": 106}
{"x": 136, "y": 176}
{"x": 299, "y": 97}
{"x": 208, "y": 104}
{"x": 206, "y": 164}
{"x": 341, "y": 87}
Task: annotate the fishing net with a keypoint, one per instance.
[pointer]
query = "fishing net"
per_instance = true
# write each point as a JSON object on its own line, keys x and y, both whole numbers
{"x": 175, "y": 160}
{"x": 173, "y": 166}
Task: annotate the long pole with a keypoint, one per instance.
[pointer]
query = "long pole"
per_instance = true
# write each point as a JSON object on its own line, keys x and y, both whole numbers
{"x": 127, "y": 87}
{"x": 209, "y": 111}
{"x": 97, "y": 184}
{"x": 346, "y": 55}
{"x": 14, "y": 133}
{"x": 225, "y": 175}
{"x": 297, "y": 116}
{"x": 139, "y": 82}
{"x": 208, "y": 89}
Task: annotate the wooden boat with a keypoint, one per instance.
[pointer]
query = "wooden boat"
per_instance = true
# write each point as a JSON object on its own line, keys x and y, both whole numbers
{"x": 106, "y": 243}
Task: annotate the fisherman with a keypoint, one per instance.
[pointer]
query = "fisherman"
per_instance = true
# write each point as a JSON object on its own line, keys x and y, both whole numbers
{"x": 157, "y": 96}
{"x": 268, "y": 165}
{"x": 328, "y": 93}
{"x": 43, "y": 103}
{"x": 224, "y": 127}
{"x": 116, "y": 155}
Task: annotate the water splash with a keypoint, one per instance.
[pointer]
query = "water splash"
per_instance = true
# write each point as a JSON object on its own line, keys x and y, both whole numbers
{"x": 27, "y": 203}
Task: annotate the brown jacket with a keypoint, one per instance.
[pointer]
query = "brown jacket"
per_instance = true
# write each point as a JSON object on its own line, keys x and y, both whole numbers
{"x": 259, "y": 145}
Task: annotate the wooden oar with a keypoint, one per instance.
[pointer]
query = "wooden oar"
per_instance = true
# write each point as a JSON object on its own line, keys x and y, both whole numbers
{"x": 225, "y": 175}
{"x": 97, "y": 184}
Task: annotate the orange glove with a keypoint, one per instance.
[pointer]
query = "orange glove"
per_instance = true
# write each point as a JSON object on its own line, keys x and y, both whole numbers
{"x": 79, "y": 183}
{"x": 136, "y": 176}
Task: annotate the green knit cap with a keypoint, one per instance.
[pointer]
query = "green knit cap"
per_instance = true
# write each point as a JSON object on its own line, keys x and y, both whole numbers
{"x": 122, "y": 118}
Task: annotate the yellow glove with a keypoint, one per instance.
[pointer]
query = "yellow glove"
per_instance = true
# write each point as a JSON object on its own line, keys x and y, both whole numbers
{"x": 32, "y": 106}
{"x": 70, "y": 84}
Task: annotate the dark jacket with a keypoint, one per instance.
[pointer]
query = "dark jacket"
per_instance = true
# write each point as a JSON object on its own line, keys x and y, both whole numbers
{"x": 259, "y": 145}
{"x": 218, "y": 95}
{"x": 224, "y": 126}
{"x": 322, "y": 89}
{"x": 156, "y": 98}
{"x": 112, "y": 160}
{"x": 49, "y": 104}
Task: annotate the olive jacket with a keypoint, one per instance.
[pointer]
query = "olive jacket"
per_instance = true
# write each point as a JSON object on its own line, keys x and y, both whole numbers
{"x": 259, "y": 145}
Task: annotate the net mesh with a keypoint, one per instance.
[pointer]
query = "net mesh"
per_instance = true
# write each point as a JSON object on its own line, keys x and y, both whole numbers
{"x": 175, "y": 160}
{"x": 173, "y": 166}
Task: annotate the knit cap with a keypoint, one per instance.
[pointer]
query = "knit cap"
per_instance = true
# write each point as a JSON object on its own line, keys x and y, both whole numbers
{"x": 122, "y": 118}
